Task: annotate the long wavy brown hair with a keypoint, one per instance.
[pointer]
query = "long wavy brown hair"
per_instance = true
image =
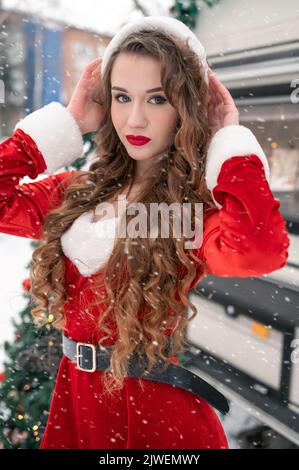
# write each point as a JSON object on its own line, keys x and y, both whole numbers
{"x": 152, "y": 276}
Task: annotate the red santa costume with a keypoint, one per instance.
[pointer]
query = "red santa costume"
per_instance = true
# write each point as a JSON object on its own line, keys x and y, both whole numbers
{"x": 245, "y": 236}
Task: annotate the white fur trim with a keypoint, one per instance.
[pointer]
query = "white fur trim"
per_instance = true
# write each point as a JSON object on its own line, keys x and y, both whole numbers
{"x": 158, "y": 22}
{"x": 231, "y": 141}
{"x": 89, "y": 245}
{"x": 56, "y": 134}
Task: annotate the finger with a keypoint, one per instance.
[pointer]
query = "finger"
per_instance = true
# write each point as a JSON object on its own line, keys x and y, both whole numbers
{"x": 96, "y": 71}
{"x": 213, "y": 97}
{"x": 217, "y": 101}
{"x": 213, "y": 88}
{"x": 221, "y": 89}
{"x": 216, "y": 84}
{"x": 222, "y": 93}
{"x": 211, "y": 74}
{"x": 93, "y": 65}
{"x": 94, "y": 62}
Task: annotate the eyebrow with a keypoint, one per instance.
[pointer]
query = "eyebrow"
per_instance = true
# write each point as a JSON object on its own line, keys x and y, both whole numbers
{"x": 147, "y": 91}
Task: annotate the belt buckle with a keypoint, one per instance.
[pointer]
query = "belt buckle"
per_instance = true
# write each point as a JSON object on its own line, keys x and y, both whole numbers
{"x": 78, "y": 355}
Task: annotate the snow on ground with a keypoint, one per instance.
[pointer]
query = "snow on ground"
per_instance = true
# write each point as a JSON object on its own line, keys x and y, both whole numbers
{"x": 15, "y": 254}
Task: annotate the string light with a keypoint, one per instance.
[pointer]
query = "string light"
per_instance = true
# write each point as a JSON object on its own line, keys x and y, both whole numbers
{"x": 274, "y": 145}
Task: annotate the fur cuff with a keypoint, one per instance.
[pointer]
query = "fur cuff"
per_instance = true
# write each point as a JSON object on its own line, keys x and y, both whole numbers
{"x": 231, "y": 141}
{"x": 56, "y": 134}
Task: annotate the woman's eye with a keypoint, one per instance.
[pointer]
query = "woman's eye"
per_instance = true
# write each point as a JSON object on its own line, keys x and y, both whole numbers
{"x": 157, "y": 96}
{"x": 119, "y": 96}
{"x": 161, "y": 97}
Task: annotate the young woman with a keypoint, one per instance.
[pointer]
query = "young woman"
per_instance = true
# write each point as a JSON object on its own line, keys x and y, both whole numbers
{"x": 124, "y": 298}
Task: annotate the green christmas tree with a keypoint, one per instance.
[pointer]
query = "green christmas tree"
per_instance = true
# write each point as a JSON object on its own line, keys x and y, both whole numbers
{"x": 188, "y": 11}
{"x": 28, "y": 380}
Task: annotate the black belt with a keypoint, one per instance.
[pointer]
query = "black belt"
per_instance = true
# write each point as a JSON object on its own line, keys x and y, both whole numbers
{"x": 89, "y": 358}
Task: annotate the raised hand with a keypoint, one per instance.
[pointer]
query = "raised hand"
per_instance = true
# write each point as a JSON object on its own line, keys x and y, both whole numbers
{"x": 87, "y": 112}
{"x": 222, "y": 110}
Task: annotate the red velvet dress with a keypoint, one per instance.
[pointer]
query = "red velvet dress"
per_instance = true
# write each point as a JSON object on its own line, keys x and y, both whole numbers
{"x": 246, "y": 237}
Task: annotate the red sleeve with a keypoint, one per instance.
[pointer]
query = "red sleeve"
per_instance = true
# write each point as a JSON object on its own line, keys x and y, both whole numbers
{"x": 23, "y": 207}
{"x": 248, "y": 235}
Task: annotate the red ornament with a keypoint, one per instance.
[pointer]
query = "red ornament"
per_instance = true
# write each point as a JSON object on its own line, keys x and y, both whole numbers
{"x": 18, "y": 336}
{"x": 174, "y": 360}
{"x": 26, "y": 284}
{"x": 2, "y": 377}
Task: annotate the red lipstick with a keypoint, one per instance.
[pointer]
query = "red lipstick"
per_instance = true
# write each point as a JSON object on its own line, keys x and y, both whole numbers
{"x": 137, "y": 139}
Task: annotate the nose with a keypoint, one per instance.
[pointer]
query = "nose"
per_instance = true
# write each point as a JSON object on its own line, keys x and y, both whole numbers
{"x": 137, "y": 117}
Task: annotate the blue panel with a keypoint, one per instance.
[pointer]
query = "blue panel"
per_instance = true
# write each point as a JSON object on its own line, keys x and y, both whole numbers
{"x": 29, "y": 29}
{"x": 51, "y": 89}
